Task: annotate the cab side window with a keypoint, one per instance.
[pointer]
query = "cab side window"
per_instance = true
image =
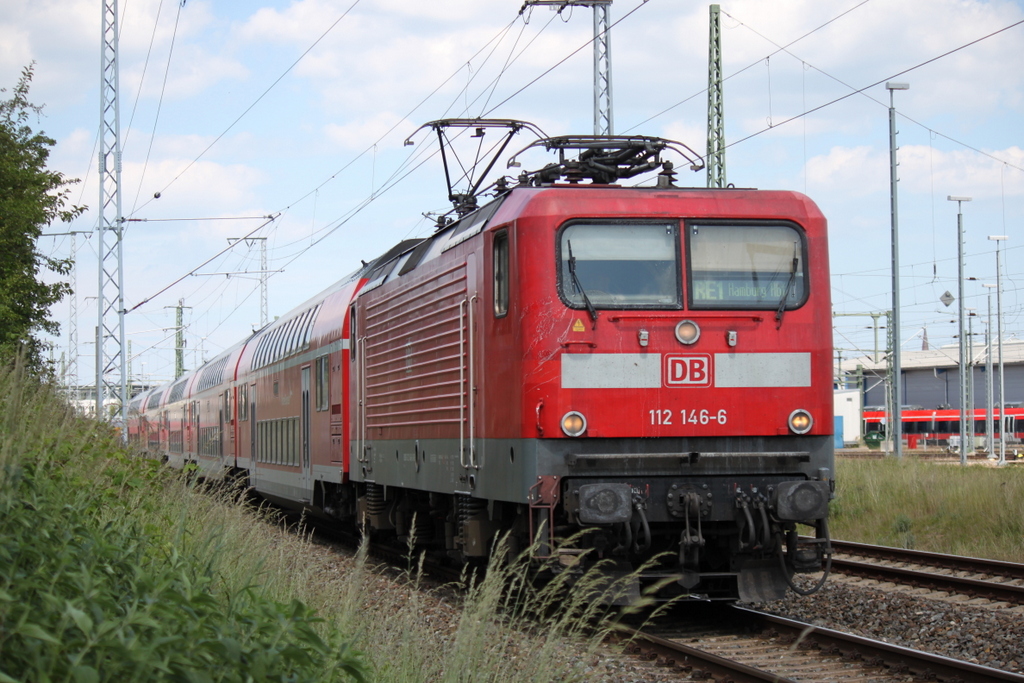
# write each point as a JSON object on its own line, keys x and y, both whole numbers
{"x": 501, "y": 274}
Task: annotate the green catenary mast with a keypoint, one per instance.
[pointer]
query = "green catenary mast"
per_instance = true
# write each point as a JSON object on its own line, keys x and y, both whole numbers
{"x": 716, "y": 104}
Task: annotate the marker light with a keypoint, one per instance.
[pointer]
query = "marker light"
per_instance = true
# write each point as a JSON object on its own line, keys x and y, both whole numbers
{"x": 574, "y": 424}
{"x": 800, "y": 421}
{"x": 687, "y": 332}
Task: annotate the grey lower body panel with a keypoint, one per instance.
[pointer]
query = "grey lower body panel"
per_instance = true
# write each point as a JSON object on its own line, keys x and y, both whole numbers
{"x": 507, "y": 469}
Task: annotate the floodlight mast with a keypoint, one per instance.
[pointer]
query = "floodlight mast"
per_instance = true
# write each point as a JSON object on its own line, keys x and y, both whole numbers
{"x": 895, "y": 366}
{"x": 964, "y": 435}
{"x": 999, "y": 345}
{"x": 990, "y": 432}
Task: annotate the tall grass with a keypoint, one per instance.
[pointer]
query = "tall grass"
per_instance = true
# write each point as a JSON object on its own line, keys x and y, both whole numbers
{"x": 976, "y": 510}
{"x": 504, "y": 628}
{"x": 113, "y": 568}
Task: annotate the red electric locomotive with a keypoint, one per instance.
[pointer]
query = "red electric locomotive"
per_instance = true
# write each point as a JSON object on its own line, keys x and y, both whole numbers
{"x": 644, "y": 369}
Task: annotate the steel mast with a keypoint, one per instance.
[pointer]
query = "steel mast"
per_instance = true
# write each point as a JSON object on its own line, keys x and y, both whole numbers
{"x": 716, "y": 103}
{"x": 110, "y": 354}
{"x": 603, "y": 123}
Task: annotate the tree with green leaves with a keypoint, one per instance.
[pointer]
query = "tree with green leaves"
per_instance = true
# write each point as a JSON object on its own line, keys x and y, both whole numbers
{"x": 31, "y": 198}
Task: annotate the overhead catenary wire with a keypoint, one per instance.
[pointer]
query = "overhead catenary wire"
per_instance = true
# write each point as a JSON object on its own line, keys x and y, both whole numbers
{"x": 862, "y": 91}
{"x": 411, "y": 159}
{"x": 159, "y": 104}
{"x": 364, "y": 203}
{"x": 270, "y": 219}
{"x": 877, "y": 83}
{"x": 349, "y": 215}
{"x": 752, "y": 64}
{"x": 563, "y": 60}
{"x": 253, "y": 104}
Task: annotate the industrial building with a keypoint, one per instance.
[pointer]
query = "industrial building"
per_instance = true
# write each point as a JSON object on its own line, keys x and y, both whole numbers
{"x": 931, "y": 378}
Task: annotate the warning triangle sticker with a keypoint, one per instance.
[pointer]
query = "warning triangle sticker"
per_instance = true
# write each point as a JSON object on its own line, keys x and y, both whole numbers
{"x": 578, "y": 326}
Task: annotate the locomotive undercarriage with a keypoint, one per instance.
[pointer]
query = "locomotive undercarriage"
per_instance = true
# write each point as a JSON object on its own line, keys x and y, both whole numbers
{"x": 672, "y": 532}
{"x": 705, "y": 523}
{"x": 744, "y": 544}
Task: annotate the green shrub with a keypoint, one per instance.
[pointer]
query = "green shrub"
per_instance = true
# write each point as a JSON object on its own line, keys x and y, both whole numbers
{"x": 107, "y": 573}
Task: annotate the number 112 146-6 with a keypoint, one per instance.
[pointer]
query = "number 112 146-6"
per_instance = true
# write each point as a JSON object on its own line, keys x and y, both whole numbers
{"x": 684, "y": 417}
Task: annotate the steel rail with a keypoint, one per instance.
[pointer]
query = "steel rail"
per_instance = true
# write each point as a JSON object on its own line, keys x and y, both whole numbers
{"x": 925, "y": 664}
{"x": 695, "y": 658}
{"x": 1010, "y": 570}
{"x": 992, "y": 590}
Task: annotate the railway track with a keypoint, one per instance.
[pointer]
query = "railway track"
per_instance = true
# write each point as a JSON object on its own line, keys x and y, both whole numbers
{"x": 740, "y": 645}
{"x": 975, "y": 577}
{"x": 727, "y": 643}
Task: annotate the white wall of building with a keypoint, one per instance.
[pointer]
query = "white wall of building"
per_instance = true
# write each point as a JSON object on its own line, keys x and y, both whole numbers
{"x": 848, "y": 406}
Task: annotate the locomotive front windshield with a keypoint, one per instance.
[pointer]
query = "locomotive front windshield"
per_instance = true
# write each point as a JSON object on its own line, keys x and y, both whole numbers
{"x": 620, "y": 265}
{"x": 746, "y": 266}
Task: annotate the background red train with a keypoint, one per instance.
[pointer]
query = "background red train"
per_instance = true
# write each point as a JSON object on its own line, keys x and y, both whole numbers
{"x": 924, "y": 427}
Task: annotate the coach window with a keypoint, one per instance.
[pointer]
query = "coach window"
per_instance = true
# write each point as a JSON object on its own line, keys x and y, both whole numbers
{"x": 243, "y": 402}
{"x": 760, "y": 267}
{"x": 501, "y": 274}
{"x": 620, "y": 265}
{"x": 323, "y": 367}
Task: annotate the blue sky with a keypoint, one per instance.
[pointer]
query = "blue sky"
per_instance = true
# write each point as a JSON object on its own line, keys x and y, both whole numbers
{"x": 235, "y": 110}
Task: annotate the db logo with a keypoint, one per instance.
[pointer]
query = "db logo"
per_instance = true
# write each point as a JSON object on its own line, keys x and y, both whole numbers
{"x": 689, "y": 371}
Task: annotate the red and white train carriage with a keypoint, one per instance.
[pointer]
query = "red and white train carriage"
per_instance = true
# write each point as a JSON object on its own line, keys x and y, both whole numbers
{"x": 650, "y": 366}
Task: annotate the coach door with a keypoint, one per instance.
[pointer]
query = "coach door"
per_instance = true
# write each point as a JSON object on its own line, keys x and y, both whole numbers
{"x": 222, "y": 435}
{"x": 228, "y": 430}
{"x": 254, "y": 448}
{"x": 305, "y": 431}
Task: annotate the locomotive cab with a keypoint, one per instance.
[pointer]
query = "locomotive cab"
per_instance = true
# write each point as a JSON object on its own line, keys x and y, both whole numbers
{"x": 678, "y": 372}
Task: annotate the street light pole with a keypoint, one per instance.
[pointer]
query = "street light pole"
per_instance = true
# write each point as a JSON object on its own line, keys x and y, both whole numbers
{"x": 896, "y": 428}
{"x": 960, "y": 318}
{"x": 989, "y": 384}
{"x": 999, "y": 345}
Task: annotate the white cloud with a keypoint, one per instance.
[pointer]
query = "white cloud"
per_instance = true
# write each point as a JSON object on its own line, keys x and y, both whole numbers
{"x": 962, "y": 172}
{"x": 357, "y": 135}
{"x": 855, "y": 172}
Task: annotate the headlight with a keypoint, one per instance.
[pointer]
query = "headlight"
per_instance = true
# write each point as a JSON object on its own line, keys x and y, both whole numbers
{"x": 800, "y": 421}
{"x": 687, "y": 332}
{"x": 574, "y": 424}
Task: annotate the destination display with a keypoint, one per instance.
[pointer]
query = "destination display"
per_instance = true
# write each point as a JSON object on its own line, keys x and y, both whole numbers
{"x": 739, "y": 289}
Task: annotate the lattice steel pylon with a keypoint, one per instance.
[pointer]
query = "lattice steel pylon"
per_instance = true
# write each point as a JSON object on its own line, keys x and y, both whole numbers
{"x": 716, "y": 103}
{"x": 71, "y": 374}
{"x": 603, "y": 119}
{"x": 603, "y": 123}
{"x": 111, "y": 377}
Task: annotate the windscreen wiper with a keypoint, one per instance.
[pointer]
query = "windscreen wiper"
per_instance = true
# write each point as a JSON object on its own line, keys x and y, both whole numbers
{"x": 579, "y": 288}
{"x": 789, "y": 287}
